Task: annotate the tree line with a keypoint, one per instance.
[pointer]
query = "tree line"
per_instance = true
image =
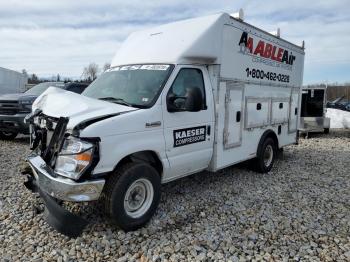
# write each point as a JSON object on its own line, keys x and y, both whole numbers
{"x": 335, "y": 90}
{"x": 89, "y": 74}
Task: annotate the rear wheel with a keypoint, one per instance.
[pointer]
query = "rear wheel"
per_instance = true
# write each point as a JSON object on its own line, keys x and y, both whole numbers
{"x": 132, "y": 195}
{"x": 8, "y": 135}
{"x": 326, "y": 130}
{"x": 266, "y": 155}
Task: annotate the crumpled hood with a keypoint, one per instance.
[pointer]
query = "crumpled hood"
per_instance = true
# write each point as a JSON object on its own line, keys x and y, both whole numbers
{"x": 56, "y": 102}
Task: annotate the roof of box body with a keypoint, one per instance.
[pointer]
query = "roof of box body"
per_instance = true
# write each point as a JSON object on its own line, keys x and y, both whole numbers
{"x": 196, "y": 40}
{"x": 178, "y": 42}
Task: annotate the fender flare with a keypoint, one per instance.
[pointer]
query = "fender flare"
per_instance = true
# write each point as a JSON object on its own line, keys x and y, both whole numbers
{"x": 266, "y": 134}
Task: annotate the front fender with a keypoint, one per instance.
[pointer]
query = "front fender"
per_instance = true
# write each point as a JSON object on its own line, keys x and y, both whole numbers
{"x": 114, "y": 148}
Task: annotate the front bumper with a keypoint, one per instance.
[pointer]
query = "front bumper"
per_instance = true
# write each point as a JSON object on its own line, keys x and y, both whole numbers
{"x": 14, "y": 123}
{"x": 63, "y": 188}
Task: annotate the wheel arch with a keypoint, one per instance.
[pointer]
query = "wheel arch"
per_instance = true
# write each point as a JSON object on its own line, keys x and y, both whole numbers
{"x": 268, "y": 133}
{"x": 259, "y": 162}
{"x": 147, "y": 156}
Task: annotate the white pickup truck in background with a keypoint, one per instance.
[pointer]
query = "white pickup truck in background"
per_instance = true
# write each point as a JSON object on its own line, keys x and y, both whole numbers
{"x": 193, "y": 95}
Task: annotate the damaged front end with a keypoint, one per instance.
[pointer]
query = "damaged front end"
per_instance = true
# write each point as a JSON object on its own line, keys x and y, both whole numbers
{"x": 61, "y": 165}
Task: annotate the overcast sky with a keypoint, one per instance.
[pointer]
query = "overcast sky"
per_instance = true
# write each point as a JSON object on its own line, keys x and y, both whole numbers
{"x": 47, "y": 37}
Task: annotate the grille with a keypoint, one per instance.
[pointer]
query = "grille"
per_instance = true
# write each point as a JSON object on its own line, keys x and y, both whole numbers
{"x": 43, "y": 128}
{"x": 48, "y": 136}
{"x": 9, "y": 107}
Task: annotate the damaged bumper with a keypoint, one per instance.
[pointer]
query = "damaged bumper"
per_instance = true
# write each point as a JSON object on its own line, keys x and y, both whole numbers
{"x": 59, "y": 218}
{"x": 52, "y": 187}
{"x": 63, "y": 188}
{"x": 47, "y": 137}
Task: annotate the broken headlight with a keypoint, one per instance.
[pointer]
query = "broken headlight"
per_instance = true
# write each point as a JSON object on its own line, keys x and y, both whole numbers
{"x": 75, "y": 157}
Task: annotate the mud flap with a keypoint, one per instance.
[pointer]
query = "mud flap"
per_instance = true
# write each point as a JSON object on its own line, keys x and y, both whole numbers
{"x": 61, "y": 219}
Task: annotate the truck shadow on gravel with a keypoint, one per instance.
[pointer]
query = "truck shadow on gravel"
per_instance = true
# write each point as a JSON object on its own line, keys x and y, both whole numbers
{"x": 176, "y": 210}
{"x": 179, "y": 191}
{"x": 185, "y": 201}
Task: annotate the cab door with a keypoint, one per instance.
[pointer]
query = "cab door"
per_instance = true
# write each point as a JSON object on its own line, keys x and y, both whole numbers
{"x": 188, "y": 135}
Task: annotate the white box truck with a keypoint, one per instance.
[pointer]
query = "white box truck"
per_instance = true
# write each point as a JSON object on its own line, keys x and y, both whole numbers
{"x": 199, "y": 94}
{"x": 12, "y": 81}
{"x": 313, "y": 110}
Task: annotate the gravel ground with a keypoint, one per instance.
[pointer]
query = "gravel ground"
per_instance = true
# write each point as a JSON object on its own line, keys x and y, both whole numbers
{"x": 299, "y": 211}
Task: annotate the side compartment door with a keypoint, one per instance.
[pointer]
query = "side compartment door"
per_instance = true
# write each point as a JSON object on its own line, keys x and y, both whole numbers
{"x": 233, "y": 114}
{"x": 188, "y": 135}
{"x": 279, "y": 110}
{"x": 293, "y": 110}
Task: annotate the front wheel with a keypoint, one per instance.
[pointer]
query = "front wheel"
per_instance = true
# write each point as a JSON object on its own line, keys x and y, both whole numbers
{"x": 7, "y": 135}
{"x": 132, "y": 195}
{"x": 326, "y": 130}
{"x": 265, "y": 156}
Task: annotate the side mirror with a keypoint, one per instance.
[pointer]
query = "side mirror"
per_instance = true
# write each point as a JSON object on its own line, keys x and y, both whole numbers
{"x": 191, "y": 102}
{"x": 173, "y": 104}
{"x": 194, "y": 99}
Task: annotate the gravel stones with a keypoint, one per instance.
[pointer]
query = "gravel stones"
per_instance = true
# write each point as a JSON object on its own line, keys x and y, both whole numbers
{"x": 300, "y": 211}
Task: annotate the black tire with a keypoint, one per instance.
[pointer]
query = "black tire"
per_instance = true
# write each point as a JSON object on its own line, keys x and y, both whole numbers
{"x": 7, "y": 135}
{"x": 261, "y": 163}
{"x": 116, "y": 190}
{"x": 326, "y": 130}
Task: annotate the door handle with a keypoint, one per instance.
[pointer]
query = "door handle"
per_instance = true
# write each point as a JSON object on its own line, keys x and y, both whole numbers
{"x": 238, "y": 116}
{"x": 154, "y": 124}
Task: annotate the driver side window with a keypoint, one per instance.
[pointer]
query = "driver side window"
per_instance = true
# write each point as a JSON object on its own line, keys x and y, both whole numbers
{"x": 187, "y": 78}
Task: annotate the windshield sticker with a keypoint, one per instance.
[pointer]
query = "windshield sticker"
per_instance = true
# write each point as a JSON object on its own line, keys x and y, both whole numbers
{"x": 155, "y": 67}
{"x": 145, "y": 99}
{"x": 131, "y": 67}
{"x": 142, "y": 67}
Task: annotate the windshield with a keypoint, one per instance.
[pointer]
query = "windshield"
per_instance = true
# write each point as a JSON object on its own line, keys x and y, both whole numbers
{"x": 133, "y": 85}
{"x": 40, "y": 88}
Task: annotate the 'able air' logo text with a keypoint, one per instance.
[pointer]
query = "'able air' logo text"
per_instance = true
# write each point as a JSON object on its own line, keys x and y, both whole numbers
{"x": 265, "y": 50}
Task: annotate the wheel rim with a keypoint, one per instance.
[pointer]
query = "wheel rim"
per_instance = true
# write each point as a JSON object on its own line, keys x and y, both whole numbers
{"x": 268, "y": 155}
{"x": 138, "y": 198}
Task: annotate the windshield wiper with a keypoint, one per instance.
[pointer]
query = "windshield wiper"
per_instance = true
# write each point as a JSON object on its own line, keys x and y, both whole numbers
{"x": 116, "y": 100}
